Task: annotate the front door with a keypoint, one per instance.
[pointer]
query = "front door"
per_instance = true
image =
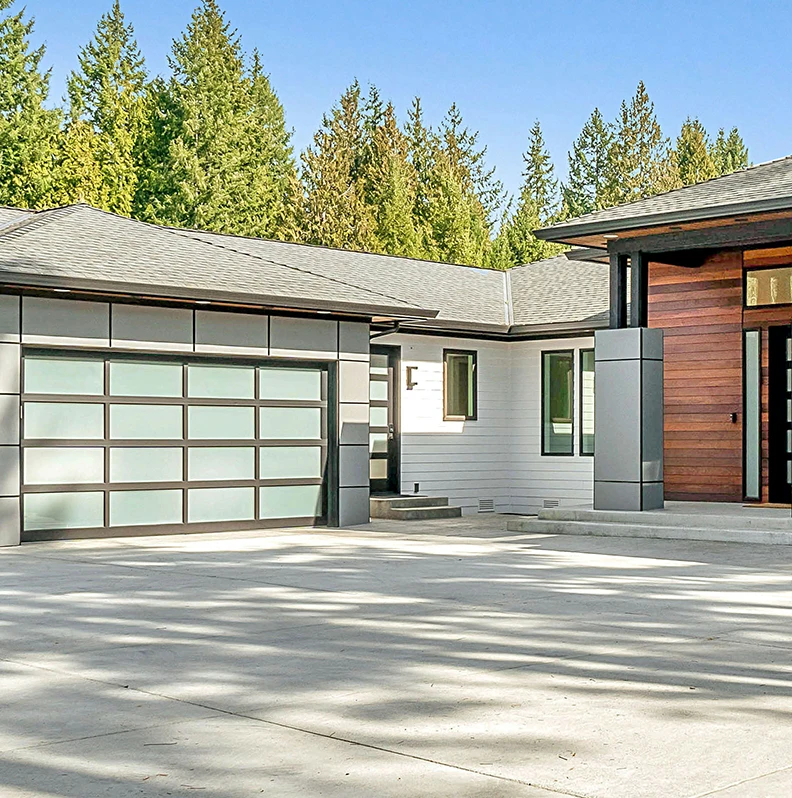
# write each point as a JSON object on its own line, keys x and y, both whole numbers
{"x": 384, "y": 420}
{"x": 779, "y": 387}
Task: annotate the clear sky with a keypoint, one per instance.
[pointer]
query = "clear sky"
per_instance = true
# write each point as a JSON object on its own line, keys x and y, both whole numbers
{"x": 505, "y": 63}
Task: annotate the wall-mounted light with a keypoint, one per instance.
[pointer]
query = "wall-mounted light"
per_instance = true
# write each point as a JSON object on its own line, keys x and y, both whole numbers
{"x": 411, "y": 381}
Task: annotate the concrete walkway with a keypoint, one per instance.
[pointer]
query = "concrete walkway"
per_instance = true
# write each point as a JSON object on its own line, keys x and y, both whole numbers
{"x": 445, "y": 658}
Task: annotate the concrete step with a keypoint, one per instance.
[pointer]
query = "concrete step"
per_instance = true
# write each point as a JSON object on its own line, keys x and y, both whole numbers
{"x": 412, "y": 508}
{"x": 424, "y": 513}
{"x": 742, "y": 518}
{"x": 543, "y": 526}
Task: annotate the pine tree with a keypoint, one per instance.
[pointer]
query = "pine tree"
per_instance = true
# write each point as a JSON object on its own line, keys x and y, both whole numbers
{"x": 206, "y": 131}
{"x": 590, "y": 180}
{"x": 692, "y": 153}
{"x": 28, "y": 130}
{"x": 537, "y": 206}
{"x": 335, "y": 212}
{"x": 729, "y": 153}
{"x": 105, "y": 98}
{"x": 640, "y": 155}
{"x": 422, "y": 146}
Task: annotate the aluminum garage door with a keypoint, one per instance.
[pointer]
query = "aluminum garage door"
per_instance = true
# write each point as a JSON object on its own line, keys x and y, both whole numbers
{"x": 124, "y": 442}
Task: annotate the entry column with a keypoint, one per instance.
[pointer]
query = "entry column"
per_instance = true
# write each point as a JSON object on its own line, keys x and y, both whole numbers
{"x": 628, "y": 414}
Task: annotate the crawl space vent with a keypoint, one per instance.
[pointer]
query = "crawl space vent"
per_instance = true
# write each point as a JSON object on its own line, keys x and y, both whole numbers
{"x": 548, "y": 503}
{"x": 486, "y": 505}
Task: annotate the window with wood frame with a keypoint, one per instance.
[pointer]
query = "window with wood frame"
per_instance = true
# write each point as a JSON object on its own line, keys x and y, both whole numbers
{"x": 460, "y": 387}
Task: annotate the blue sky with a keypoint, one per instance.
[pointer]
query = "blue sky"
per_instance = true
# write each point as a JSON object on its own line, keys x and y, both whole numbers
{"x": 504, "y": 63}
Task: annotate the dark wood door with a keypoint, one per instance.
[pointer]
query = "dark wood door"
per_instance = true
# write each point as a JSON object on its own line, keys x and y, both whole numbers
{"x": 384, "y": 419}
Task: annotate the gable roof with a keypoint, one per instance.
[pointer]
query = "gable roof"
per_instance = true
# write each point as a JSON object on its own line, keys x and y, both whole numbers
{"x": 766, "y": 187}
{"x": 80, "y": 246}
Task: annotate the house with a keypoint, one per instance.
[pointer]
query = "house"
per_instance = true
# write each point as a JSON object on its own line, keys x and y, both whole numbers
{"x": 710, "y": 290}
{"x": 163, "y": 380}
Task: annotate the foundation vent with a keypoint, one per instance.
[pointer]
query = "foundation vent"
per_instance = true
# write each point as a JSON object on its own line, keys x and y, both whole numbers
{"x": 550, "y": 503}
{"x": 486, "y": 505}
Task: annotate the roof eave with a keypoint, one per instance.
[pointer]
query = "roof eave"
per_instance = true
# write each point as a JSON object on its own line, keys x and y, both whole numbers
{"x": 564, "y": 233}
{"x": 152, "y": 291}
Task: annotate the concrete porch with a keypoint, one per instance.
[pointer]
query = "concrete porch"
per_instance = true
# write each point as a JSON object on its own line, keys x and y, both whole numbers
{"x": 708, "y": 521}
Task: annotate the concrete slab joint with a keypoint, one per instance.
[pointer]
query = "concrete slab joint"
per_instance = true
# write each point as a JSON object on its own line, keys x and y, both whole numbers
{"x": 628, "y": 456}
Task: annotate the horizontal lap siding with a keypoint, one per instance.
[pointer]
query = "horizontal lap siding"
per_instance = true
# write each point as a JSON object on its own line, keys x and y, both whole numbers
{"x": 700, "y": 312}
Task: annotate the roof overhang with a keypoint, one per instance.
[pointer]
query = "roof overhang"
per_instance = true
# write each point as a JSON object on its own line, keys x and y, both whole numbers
{"x": 130, "y": 291}
{"x": 600, "y": 234}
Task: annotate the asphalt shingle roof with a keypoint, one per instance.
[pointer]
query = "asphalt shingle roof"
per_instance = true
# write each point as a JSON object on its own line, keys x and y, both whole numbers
{"x": 767, "y": 186}
{"x": 558, "y": 290}
{"x": 80, "y": 244}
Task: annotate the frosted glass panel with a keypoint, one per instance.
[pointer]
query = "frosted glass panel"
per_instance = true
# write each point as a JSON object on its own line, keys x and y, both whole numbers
{"x": 64, "y": 420}
{"x": 140, "y": 422}
{"x": 128, "y": 378}
{"x": 220, "y": 504}
{"x": 297, "y": 423}
{"x": 291, "y": 501}
{"x": 378, "y": 469}
{"x": 378, "y": 442}
{"x": 66, "y": 466}
{"x": 290, "y": 462}
{"x": 379, "y": 416}
{"x": 138, "y": 507}
{"x": 378, "y": 391}
{"x": 290, "y": 384}
{"x": 753, "y": 419}
{"x": 221, "y": 382}
{"x": 63, "y": 510}
{"x": 232, "y": 423}
{"x": 64, "y": 376}
{"x": 222, "y": 462}
{"x": 150, "y": 464}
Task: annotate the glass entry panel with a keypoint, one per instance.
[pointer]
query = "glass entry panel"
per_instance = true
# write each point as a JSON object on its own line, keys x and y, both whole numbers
{"x": 128, "y": 441}
{"x": 383, "y": 420}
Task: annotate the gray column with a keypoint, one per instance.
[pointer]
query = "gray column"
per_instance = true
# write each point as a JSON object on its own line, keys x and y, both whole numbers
{"x": 628, "y": 446}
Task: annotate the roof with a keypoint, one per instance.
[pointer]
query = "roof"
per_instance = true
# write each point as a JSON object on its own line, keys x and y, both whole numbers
{"x": 82, "y": 248}
{"x": 766, "y": 187}
{"x": 560, "y": 290}
{"x": 460, "y": 293}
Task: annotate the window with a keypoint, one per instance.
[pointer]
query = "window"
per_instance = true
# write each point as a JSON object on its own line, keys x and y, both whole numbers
{"x": 459, "y": 386}
{"x": 752, "y": 414}
{"x": 765, "y": 287}
{"x": 587, "y": 401}
{"x": 557, "y": 399}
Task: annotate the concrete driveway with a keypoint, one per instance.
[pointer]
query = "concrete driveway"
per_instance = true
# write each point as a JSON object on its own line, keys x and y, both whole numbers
{"x": 431, "y": 659}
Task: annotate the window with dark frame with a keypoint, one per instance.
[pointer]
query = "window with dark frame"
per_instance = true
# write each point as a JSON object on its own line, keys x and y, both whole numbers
{"x": 587, "y": 402}
{"x": 460, "y": 386}
{"x": 558, "y": 378}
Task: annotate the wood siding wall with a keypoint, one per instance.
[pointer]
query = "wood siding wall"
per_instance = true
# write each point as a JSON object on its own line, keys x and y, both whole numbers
{"x": 700, "y": 311}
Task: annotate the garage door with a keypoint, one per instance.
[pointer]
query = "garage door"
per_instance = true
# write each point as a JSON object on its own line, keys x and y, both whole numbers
{"x": 119, "y": 443}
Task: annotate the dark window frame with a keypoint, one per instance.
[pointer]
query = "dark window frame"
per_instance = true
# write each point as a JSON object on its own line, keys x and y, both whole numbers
{"x": 473, "y": 354}
{"x": 581, "y": 352}
{"x": 544, "y": 399}
{"x": 750, "y": 270}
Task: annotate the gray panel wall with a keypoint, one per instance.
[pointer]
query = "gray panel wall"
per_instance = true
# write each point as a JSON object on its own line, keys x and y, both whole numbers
{"x": 353, "y": 423}
{"x": 628, "y": 447}
{"x": 10, "y": 453}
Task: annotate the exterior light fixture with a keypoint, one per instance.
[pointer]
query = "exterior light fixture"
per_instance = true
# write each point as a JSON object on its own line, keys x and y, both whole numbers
{"x": 411, "y": 381}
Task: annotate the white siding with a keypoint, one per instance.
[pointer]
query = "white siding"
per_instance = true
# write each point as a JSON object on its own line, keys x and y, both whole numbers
{"x": 498, "y": 456}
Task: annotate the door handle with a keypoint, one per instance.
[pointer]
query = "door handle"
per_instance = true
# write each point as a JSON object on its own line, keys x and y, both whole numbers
{"x": 391, "y": 432}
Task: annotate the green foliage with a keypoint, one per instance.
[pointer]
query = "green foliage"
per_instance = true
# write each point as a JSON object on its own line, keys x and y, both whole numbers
{"x": 28, "y": 130}
{"x": 537, "y": 206}
{"x": 98, "y": 145}
{"x": 222, "y": 155}
{"x": 729, "y": 153}
{"x": 692, "y": 154}
{"x": 591, "y": 179}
